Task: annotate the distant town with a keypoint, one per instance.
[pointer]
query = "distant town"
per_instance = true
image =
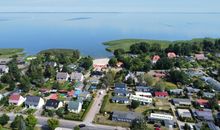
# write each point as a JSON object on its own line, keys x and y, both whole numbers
{"x": 145, "y": 85}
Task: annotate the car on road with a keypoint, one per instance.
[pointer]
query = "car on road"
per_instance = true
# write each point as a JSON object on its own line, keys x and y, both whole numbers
{"x": 82, "y": 125}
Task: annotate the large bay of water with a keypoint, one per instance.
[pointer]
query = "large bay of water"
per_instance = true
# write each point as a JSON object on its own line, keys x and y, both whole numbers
{"x": 87, "y": 31}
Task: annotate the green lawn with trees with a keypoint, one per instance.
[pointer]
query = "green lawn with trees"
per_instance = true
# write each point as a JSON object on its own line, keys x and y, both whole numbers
{"x": 9, "y": 52}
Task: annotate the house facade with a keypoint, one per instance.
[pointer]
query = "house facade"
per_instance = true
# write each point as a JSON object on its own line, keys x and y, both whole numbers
{"x": 125, "y": 116}
{"x": 76, "y": 76}
{"x": 75, "y": 106}
{"x": 62, "y": 76}
{"x": 16, "y": 99}
{"x": 53, "y": 104}
{"x": 34, "y": 102}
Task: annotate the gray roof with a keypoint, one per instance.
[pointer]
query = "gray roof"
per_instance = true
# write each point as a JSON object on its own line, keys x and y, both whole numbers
{"x": 121, "y": 91}
{"x": 120, "y": 86}
{"x": 143, "y": 88}
{"x": 32, "y": 100}
{"x": 126, "y": 115}
{"x": 117, "y": 98}
{"x": 62, "y": 75}
{"x": 204, "y": 115}
{"x": 3, "y": 67}
{"x": 214, "y": 83}
{"x": 73, "y": 105}
{"x": 209, "y": 95}
{"x": 192, "y": 90}
{"x": 176, "y": 90}
{"x": 76, "y": 76}
{"x": 181, "y": 101}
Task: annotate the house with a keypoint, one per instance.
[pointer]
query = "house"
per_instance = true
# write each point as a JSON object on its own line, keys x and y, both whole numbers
{"x": 208, "y": 95}
{"x": 84, "y": 95}
{"x": 72, "y": 66}
{"x": 132, "y": 76}
{"x": 62, "y": 76}
{"x": 143, "y": 94}
{"x": 192, "y": 90}
{"x": 202, "y": 102}
{"x": 5, "y": 61}
{"x": 76, "y": 76}
{"x": 211, "y": 126}
{"x": 119, "y": 64}
{"x": 171, "y": 55}
{"x": 117, "y": 99}
{"x": 79, "y": 86}
{"x": 121, "y": 92}
{"x": 100, "y": 63}
{"x": 143, "y": 89}
{"x": 120, "y": 86}
{"x": 70, "y": 93}
{"x": 176, "y": 91}
{"x": 75, "y": 106}
{"x": 34, "y": 102}
{"x": 4, "y": 69}
{"x": 214, "y": 83}
{"x": 53, "y": 96}
{"x": 53, "y": 104}
{"x": 181, "y": 102}
{"x": 125, "y": 116}
{"x": 203, "y": 115}
{"x": 155, "y": 59}
{"x": 143, "y": 100}
{"x": 51, "y": 64}
{"x": 97, "y": 73}
{"x": 184, "y": 113}
{"x": 94, "y": 80}
{"x": 200, "y": 57}
{"x": 16, "y": 99}
{"x": 161, "y": 94}
{"x": 159, "y": 116}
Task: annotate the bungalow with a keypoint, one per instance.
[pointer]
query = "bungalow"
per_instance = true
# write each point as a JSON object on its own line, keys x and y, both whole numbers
{"x": 121, "y": 92}
{"x": 143, "y": 100}
{"x": 4, "y": 69}
{"x": 202, "y": 102}
{"x": 184, "y": 113}
{"x": 53, "y": 104}
{"x": 176, "y": 91}
{"x": 16, "y": 99}
{"x": 203, "y": 115}
{"x": 84, "y": 95}
{"x": 158, "y": 116}
{"x": 143, "y": 89}
{"x": 171, "y": 55}
{"x": 62, "y": 76}
{"x": 208, "y": 95}
{"x": 125, "y": 116}
{"x": 34, "y": 102}
{"x": 75, "y": 76}
{"x": 143, "y": 94}
{"x": 120, "y": 86}
{"x": 161, "y": 94}
{"x": 75, "y": 106}
{"x": 181, "y": 102}
{"x": 155, "y": 59}
{"x": 200, "y": 57}
{"x": 117, "y": 99}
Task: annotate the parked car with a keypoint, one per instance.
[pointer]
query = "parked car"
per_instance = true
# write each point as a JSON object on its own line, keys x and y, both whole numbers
{"x": 82, "y": 125}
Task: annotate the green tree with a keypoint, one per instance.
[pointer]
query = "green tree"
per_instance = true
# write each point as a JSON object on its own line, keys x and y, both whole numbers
{"x": 119, "y": 52}
{"x": 18, "y": 123}
{"x": 49, "y": 72}
{"x": 148, "y": 79}
{"x": 76, "y": 128}
{"x": 31, "y": 121}
{"x": 113, "y": 62}
{"x": 164, "y": 63}
{"x": 13, "y": 70}
{"x": 25, "y": 83}
{"x": 160, "y": 86}
{"x": 4, "y": 119}
{"x": 108, "y": 79}
{"x": 52, "y": 123}
{"x": 139, "y": 124}
{"x": 86, "y": 62}
{"x": 177, "y": 76}
{"x": 134, "y": 104}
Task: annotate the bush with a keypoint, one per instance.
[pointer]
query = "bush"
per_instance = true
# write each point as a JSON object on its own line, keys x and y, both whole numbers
{"x": 4, "y": 119}
{"x": 135, "y": 104}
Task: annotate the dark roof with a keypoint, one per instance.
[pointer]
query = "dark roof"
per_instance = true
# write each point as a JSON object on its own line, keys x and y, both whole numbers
{"x": 212, "y": 126}
{"x": 126, "y": 115}
{"x": 120, "y": 98}
{"x": 120, "y": 86}
{"x": 142, "y": 88}
{"x": 205, "y": 115}
{"x": 73, "y": 105}
{"x": 52, "y": 103}
{"x": 121, "y": 91}
{"x": 179, "y": 100}
{"x": 32, "y": 100}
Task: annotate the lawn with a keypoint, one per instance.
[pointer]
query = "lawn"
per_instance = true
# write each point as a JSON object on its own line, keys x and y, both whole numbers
{"x": 126, "y": 43}
{"x": 169, "y": 86}
{"x": 8, "y": 52}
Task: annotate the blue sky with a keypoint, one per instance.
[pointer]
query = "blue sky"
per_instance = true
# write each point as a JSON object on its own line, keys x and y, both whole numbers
{"x": 110, "y": 5}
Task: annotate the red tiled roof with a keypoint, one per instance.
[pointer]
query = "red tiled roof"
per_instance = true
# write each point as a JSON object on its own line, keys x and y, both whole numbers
{"x": 14, "y": 97}
{"x": 171, "y": 54}
{"x": 202, "y": 101}
{"x": 54, "y": 96}
{"x": 161, "y": 94}
{"x": 156, "y": 58}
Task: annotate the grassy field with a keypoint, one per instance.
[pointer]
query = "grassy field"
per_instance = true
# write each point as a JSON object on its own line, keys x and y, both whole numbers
{"x": 8, "y": 52}
{"x": 126, "y": 43}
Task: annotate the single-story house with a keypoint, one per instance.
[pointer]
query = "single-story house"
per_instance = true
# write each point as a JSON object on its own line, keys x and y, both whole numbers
{"x": 143, "y": 100}
{"x": 159, "y": 116}
{"x": 184, "y": 113}
{"x": 52, "y": 104}
{"x": 76, "y": 76}
{"x": 176, "y": 91}
{"x": 203, "y": 115}
{"x": 75, "y": 106}
{"x": 117, "y": 99}
{"x": 171, "y": 55}
{"x": 120, "y": 86}
{"x": 84, "y": 95}
{"x": 125, "y": 116}
{"x": 4, "y": 69}
{"x": 62, "y": 76}
{"x": 202, "y": 102}
{"x": 192, "y": 90}
{"x": 155, "y": 59}
{"x": 181, "y": 102}
{"x": 208, "y": 95}
{"x": 16, "y": 99}
{"x": 34, "y": 102}
{"x": 200, "y": 56}
{"x": 143, "y": 94}
{"x": 121, "y": 92}
{"x": 143, "y": 89}
{"x": 161, "y": 94}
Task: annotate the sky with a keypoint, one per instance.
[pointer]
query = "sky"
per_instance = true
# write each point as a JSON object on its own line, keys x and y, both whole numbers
{"x": 109, "y": 5}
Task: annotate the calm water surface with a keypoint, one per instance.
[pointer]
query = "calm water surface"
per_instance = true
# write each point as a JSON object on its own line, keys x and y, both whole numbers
{"x": 87, "y": 31}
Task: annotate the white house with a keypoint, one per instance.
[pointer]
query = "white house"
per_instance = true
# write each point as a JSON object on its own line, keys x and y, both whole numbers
{"x": 144, "y": 100}
{"x": 4, "y": 69}
{"x": 16, "y": 99}
{"x": 161, "y": 116}
{"x": 62, "y": 76}
{"x": 143, "y": 94}
{"x": 34, "y": 102}
{"x": 53, "y": 104}
{"x": 75, "y": 106}
{"x": 77, "y": 76}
